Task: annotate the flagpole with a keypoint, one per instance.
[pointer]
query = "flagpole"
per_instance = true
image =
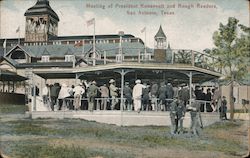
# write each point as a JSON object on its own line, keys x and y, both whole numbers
{"x": 94, "y": 51}
{"x": 19, "y": 37}
{"x": 4, "y": 45}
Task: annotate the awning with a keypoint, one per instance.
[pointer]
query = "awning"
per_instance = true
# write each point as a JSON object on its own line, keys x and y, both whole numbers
{"x": 6, "y": 75}
{"x": 173, "y": 73}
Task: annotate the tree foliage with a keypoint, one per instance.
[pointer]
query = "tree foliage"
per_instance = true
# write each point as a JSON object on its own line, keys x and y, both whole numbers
{"x": 232, "y": 42}
{"x": 232, "y": 48}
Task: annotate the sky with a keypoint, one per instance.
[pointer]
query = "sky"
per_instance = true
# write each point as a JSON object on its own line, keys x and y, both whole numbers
{"x": 188, "y": 24}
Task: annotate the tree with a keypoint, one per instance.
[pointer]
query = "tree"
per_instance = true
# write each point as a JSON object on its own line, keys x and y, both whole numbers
{"x": 232, "y": 50}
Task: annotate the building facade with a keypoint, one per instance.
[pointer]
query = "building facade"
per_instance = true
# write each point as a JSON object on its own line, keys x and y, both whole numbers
{"x": 43, "y": 56}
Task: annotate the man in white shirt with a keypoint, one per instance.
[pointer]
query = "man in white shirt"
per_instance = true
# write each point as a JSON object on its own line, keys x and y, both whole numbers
{"x": 45, "y": 94}
{"x": 113, "y": 93}
{"x": 137, "y": 94}
{"x": 78, "y": 91}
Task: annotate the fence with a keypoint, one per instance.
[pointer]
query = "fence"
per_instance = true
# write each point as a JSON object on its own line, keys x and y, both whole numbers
{"x": 154, "y": 104}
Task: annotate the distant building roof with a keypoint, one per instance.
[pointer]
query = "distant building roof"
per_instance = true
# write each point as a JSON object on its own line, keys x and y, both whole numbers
{"x": 84, "y": 37}
{"x": 160, "y": 34}
{"x": 45, "y": 65}
{"x": 111, "y": 49}
{"x": 40, "y": 8}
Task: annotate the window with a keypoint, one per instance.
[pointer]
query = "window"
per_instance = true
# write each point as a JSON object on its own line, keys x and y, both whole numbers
{"x": 69, "y": 58}
{"x": 45, "y": 58}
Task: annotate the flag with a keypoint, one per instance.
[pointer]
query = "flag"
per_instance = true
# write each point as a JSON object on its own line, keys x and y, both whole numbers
{"x": 90, "y": 22}
{"x": 18, "y": 29}
{"x": 143, "y": 30}
{"x": 4, "y": 43}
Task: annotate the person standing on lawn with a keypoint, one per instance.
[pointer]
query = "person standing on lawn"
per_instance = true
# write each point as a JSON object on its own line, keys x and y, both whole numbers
{"x": 196, "y": 121}
{"x": 223, "y": 109}
{"x": 173, "y": 116}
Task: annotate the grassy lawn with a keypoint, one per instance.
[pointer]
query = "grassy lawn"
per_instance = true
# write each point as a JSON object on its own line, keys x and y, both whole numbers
{"x": 51, "y": 138}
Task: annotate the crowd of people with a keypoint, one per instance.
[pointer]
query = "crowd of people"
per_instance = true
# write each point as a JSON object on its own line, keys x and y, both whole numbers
{"x": 137, "y": 96}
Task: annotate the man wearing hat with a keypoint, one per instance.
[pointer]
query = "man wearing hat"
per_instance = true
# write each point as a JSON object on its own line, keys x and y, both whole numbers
{"x": 105, "y": 95}
{"x": 196, "y": 121}
{"x": 113, "y": 93}
{"x": 128, "y": 96}
{"x": 180, "y": 113}
{"x": 184, "y": 94}
{"x": 173, "y": 116}
{"x": 78, "y": 91}
{"x": 223, "y": 109}
{"x": 92, "y": 94}
{"x": 137, "y": 94}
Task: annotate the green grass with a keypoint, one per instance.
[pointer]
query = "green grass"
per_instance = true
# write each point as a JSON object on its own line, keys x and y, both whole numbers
{"x": 138, "y": 137}
{"x": 13, "y": 109}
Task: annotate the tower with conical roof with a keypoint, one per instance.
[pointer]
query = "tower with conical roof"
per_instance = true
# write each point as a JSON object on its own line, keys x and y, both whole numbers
{"x": 160, "y": 39}
{"x": 160, "y": 46}
{"x": 41, "y": 22}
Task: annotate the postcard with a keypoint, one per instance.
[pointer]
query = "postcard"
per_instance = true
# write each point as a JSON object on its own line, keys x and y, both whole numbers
{"x": 124, "y": 78}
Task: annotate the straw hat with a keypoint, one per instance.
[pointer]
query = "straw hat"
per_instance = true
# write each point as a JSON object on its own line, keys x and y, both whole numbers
{"x": 80, "y": 84}
{"x": 138, "y": 81}
{"x": 111, "y": 81}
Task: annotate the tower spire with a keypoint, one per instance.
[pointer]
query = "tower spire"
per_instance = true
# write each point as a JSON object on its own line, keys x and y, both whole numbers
{"x": 160, "y": 39}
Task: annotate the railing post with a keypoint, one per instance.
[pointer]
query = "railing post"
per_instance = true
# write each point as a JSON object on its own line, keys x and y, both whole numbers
{"x": 190, "y": 86}
{"x": 98, "y": 107}
{"x": 205, "y": 107}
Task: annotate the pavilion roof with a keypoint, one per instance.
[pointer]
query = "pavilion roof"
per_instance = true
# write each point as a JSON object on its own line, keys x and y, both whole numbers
{"x": 6, "y": 75}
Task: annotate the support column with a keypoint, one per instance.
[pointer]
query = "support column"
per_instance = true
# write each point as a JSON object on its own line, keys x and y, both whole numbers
{"x": 122, "y": 72}
{"x": 33, "y": 108}
{"x": 190, "y": 84}
{"x": 76, "y": 78}
{"x": 3, "y": 86}
{"x": 122, "y": 88}
{"x": 13, "y": 86}
{"x": 8, "y": 86}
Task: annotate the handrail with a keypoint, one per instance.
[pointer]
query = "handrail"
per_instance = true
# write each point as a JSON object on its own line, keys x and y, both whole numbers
{"x": 157, "y": 108}
{"x": 176, "y": 56}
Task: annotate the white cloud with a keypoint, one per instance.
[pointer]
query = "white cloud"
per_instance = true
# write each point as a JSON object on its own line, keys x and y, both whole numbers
{"x": 10, "y": 24}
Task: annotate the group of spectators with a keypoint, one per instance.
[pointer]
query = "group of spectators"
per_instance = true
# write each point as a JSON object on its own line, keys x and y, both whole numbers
{"x": 211, "y": 98}
{"x": 137, "y": 96}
